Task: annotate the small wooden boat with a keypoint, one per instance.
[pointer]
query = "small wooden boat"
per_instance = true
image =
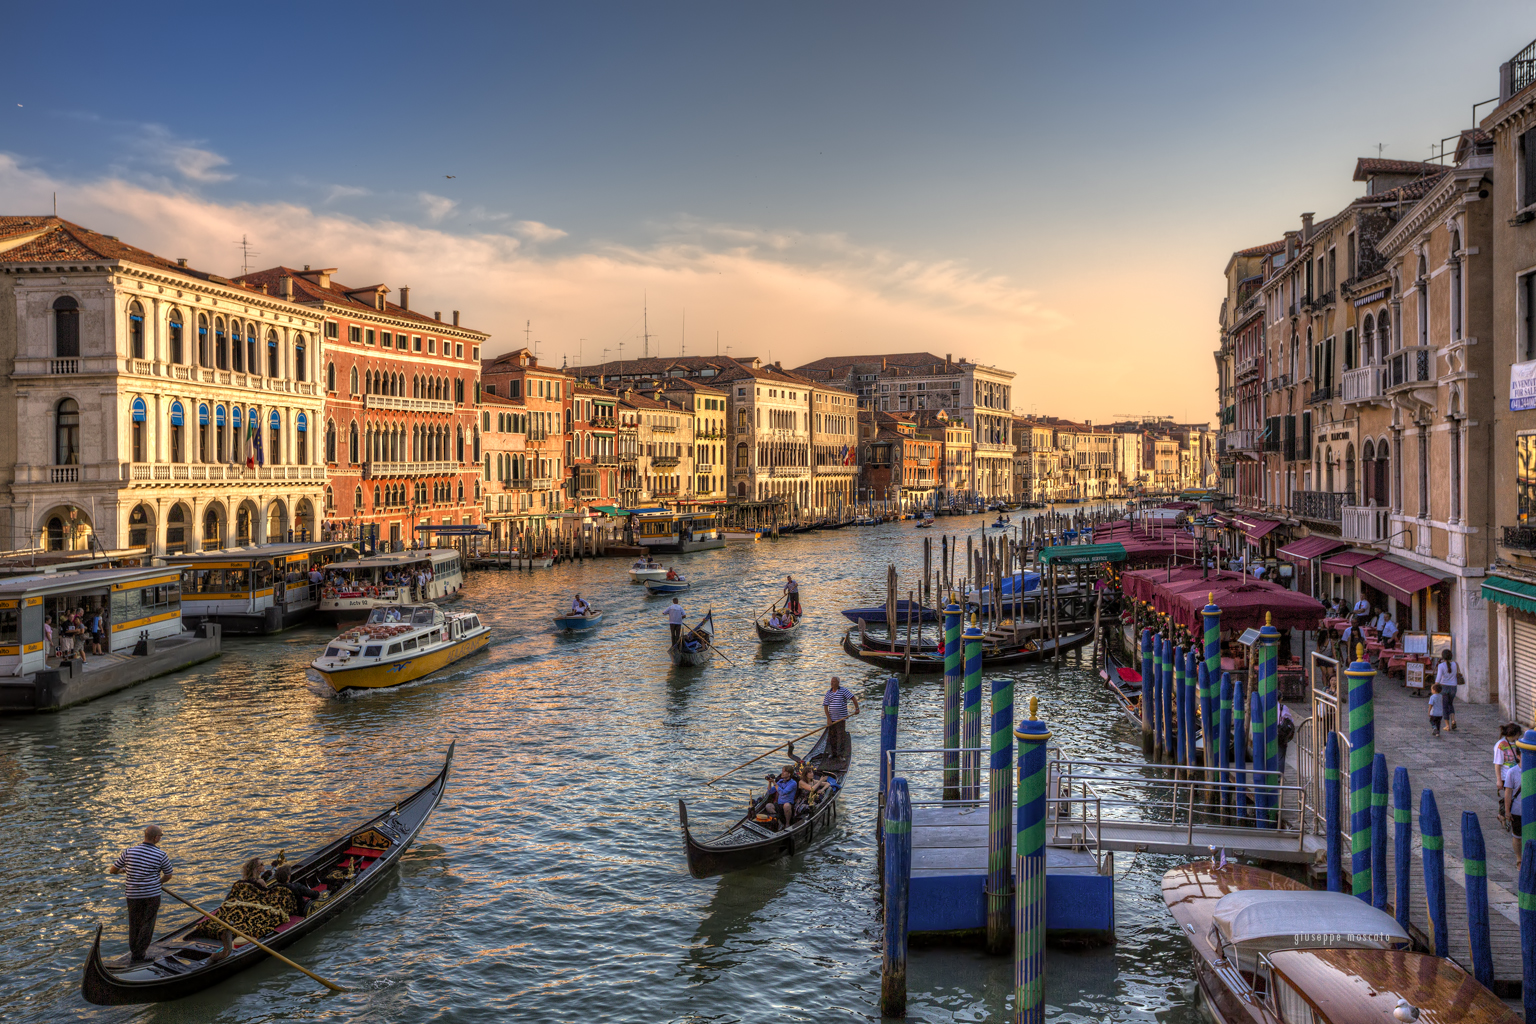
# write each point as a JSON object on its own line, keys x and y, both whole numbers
{"x": 183, "y": 961}
{"x": 770, "y": 634}
{"x": 739, "y": 536}
{"x": 1125, "y": 683}
{"x": 578, "y": 623}
{"x": 696, "y": 646}
{"x": 676, "y": 586}
{"x": 647, "y": 569}
{"x": 750, "y": 841}
{"x": 1268, "y": 949}
{"x": 400, "y": 644}
{"x": 998, "y": 656}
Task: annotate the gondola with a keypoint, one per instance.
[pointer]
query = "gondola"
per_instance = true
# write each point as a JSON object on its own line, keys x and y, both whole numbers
{"x": 991, "y": 656}
{"x": 875, "y": 615}
{"x": 748, "y": 842}
{"x": 777, "y": 634}
{"x": 1125, "y": 683}
{"x": 181, "y": 963}
{"x": 696, "y": 646}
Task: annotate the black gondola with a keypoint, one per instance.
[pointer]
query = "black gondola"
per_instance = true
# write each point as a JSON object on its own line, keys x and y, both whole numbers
{"x": 992, "y": 656}
{"x": 181, "y": 963}
{"x": 746, "y": 842}
{"x": 1125, "y": 683}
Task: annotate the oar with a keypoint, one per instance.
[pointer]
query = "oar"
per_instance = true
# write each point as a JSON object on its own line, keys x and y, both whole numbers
{"x": 759, "y": 757}
{"x": 266, "y": 949}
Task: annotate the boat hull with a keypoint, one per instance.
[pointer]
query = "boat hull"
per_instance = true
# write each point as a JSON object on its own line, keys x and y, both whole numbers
{"x": 396, "y": 673}
{"x": 769, "y": 635}
{"x": 641, "y": 575}
{"x": 666, "y": 586}
{"x": 578, "y": 623}
{"x": 925, "y": 663}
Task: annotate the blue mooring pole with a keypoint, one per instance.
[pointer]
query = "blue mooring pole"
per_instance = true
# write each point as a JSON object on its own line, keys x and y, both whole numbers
{"x": 1210, "y": 617}
{"x": 1000, "y": 828}
{"x": 1527, "y": 746}
{"x": 1170, "y": 743}
{"x": 1261, "y": 794}
{"x": 1152, "y": 691}
{"x": 1379, "y": 832}
{"x": 1029, "y": 905}
{"x": 1474, "y": 857}
{"x": 898, "y": 877}
{"x": 1267, "y": 653}
{"x": 1239, "y": 747}
{"x": 1190, "y": 712}
{"x": 1223, "y": 735}
{"x": 1331, "y": 811}
{"x": 1402, "y": 843}
{"x": 1434, "y": 870}
{"x": 888, "y": 721}
{"x": 1181, "y": 717}
{"x": 953, "y": 671}
{"x": 1527, "y": 901}
{"x": 970, "y": 734}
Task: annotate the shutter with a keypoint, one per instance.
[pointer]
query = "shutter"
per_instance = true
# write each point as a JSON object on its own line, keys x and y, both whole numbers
{"x": 1306, "y": 435}
{"x": 1528, "y": 182}
{"x": 1523, "y": 667}
{"x": 1290, "y": 438}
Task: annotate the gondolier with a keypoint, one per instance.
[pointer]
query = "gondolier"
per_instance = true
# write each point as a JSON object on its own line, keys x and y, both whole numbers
{"x": 147, "y": 867}
{"x": 792, "y": 595}
{"x": 675, "y": 617}
{"x": 835, "y": 705}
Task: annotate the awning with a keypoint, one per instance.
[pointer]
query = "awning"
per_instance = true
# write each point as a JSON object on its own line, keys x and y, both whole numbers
{"x": 1511, "y": 593}
{"x": 1255, "y": 529}
{"x": 1082, "y": 554}
{"x": 1398, "y": 580}
{"x": 1343, "y": 563}
{"x": 1309, "y": 548}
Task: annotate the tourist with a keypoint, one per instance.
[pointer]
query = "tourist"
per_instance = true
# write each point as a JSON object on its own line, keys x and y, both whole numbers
{"x": 1511, "y": 814}
{"x": 792, "y": 592}
{"x": 301, "y": 893}
{"x": 782, "y": 791}
{"x": 74, "y": 637}
{"x": 579, "y": 607}
{"x": 1436, "y": 708}
{"x": 52, "y": 652}
{"x": 1448, "y": 677}
{"x": 1285, "y": 730}
{"x": 1505, "y": 754}
{"x": 835, "y": 705}
{"x": 96, "y": 632}
{"x": 675, "y": 617}
{"x": 147, "y": 867}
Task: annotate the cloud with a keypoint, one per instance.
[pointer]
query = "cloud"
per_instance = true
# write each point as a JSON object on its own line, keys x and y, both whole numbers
{"x": 158, "y": 147}
{"x": 336, "y": 192}
{"x": 437, "y": 207}
{"x": 535, "y": 231}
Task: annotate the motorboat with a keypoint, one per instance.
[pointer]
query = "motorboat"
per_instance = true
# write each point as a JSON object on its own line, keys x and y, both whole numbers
{"x": 647, "y": 569}
{"x": 667, "y": 586}
{"x": 740, "y": 536}
{"x": 578, "y": 622}
{"x": 400, "y": 644}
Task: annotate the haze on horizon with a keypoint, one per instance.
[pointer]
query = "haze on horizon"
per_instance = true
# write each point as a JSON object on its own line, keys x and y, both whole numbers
{"x": 1050, "y": 188}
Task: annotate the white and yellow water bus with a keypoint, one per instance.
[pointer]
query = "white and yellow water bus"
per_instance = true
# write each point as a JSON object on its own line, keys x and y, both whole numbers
{"x": 254, "y": 590}
{"x": 352, "y": 589}
{"x": 399, "y": 644}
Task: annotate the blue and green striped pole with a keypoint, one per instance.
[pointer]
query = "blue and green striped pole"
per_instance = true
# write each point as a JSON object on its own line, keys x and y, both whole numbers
{"x": 1207, "y": 716}
{"x": 1474, "y": 857}
{"x": 1211, "y": 615}
{"x": 888, "y": 720}
{"x": 1029, "y": 906}
{"x": 1402, "y": 843}
{"x": 1379, "y": 832}
{"x": 1147, "y": 689}
{"x": 1239, "y": 747}
{"x": 1181, "y": 722}
{"x": 898, "y": 877}
{"x": 952, "y": 682}
{"x": 1526, "y": 897}
{"x": 1267, "y": 649}
{"x": 1362, "y": 751}
{"x": 970, "y": 775}
{"x": 1191, "y": 710}
{"x": 1261, "y": 794}
{"x": 1000, "y": 830}
{"x": 1331, "y": 811}
{"x": 1527, "y": 747}
{"x": 1434, "y": 871}
{"x": 1223, "y": 736}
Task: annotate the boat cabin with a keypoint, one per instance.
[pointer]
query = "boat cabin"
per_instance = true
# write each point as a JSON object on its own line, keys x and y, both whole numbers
{"x": 1342, "y": 986}
{"x": 677, "y": 531}
{"x": 403, "y": 577}
{"x": 1248, "y": 925}
{"x": 399, "y": 631}
{"x": 133, "y": 603}
{"x": 257, "y": 589}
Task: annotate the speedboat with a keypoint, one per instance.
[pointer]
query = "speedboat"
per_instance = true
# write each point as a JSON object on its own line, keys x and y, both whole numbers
{"x": 665, "y": 586}
{"x": 647, "y": 569}
{"x": 400, "y": 644}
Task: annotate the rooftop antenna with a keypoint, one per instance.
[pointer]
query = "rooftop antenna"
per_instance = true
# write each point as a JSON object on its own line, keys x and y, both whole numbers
{"x": 55, "y": 204}
{"x": 645, "y": 314}
{"x": 717, "y": 343}
{"x": 684, "y": 351}
{"x": 246, "y": 252}
{"x": 527, "y": 330}
{"x": 1379, "y": 147}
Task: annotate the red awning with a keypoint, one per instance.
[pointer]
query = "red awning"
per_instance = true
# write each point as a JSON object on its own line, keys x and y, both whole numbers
{"x": 1343, "y": 563}
{"x": 1255, "y": 529}
{"x": 1310, "y": 547}
{"x": 1398, "y": 580}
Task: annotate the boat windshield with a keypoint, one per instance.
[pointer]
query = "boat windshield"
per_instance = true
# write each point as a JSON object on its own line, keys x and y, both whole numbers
{"x": 423, "y": 616}
{"x": 390, "y": 615}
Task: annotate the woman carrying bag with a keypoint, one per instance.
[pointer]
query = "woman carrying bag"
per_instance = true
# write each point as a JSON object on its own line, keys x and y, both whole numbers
{"x": 1448, "y": 675}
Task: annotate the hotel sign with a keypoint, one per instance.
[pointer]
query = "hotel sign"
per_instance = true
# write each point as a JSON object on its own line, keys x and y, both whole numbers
{"x": 1522, "y": 386}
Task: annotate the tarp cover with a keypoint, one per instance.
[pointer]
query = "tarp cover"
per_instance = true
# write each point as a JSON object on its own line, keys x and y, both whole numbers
{"x": 1259, "y": 920}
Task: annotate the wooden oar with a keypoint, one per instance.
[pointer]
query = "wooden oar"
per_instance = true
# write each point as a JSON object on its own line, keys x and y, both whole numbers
{"x": 255, "y": 942}
{"x": 781, "y": 746}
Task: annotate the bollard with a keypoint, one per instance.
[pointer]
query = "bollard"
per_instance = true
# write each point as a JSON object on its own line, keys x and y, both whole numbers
{"x": 1181, "y": 720}
{"x": 1239, "y": 749}
{"x": 1147, "y": 688}
{"x": 1474, "y": 856}
{"x": 970, "y": 734}
{"x": 1223, "y": 733}
{"x": 1029, "y": 905}
{"x": 898, "y": 877}
{"x": 1434, "y": 871}
{"x": 952, "y": 670}
{"x": 1331, "y": 811}
{"x": 1256, "y": 773}
{"x": 888, "y": 720}
{"x": 1402, "y": 843}
{"x": 1527, "y": 902}
{"x": 1000, "y": 791}
{"x": 1379, "y": 832}
{"x": 1267, "y": 652}
{"x": 1362, "y": 752}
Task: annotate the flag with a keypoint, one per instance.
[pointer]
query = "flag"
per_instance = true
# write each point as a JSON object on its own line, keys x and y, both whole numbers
{"x": 847, "y": 457}
{"x": 256, "y": 444}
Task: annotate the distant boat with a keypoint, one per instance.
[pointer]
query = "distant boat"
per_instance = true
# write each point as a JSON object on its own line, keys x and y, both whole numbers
{"x": 579, "y": 623}
{"x": 647, "y": 569}
{"x": 992, "y": 657}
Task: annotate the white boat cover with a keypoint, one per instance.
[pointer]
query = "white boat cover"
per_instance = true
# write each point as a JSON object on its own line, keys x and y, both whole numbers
{"x": 1262, "y": 920}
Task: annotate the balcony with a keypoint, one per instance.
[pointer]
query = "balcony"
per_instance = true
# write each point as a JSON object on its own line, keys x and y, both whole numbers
{"x": 609, "y": 459}
{"x": 626, "y": 456}
{"x": 1248, "y": 368}
{"x": 521, "y": 483}
{"x": 1326, "y": 393}
{"x": 662, "y": 428}
{"x": 1409, "y": 367}
{"x": 664, "y": 461}
{"x": 406, "y": 404}
{"x": 778, "y": 471}
{"x": 1277, "y": 383}
{"x": 374, "y": 470}
{"x": 1366, "y": 524}
{"x": 1324, "y": 506}
{"x": 543, "y": 483}
{"x": 1362, "y": 385}
{"x": 602, "y": 423}
{"x": 1523, "y": 537}
{"x": 1239, "y": 441}
{"x": 198, "y": 472}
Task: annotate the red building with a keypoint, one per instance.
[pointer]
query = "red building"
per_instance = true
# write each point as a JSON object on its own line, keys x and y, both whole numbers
{"x": 546, "y": 394}
{"x": 401, "y": 439}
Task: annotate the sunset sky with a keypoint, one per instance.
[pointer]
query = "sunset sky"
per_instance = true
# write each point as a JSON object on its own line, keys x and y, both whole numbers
{"x": 1053, "y": 188}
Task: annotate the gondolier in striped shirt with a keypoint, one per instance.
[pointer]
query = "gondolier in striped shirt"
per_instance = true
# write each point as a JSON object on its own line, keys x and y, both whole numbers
{"x": 792, "y": 596}
{"x": 147, "y": 867}
{"x": 835, "y": 704}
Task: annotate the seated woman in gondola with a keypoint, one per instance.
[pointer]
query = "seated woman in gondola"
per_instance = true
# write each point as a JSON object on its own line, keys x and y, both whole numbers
{"x": 814, "y": 785}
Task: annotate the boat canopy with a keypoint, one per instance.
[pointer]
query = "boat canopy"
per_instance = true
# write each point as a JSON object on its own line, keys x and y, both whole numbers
{"x": 1261, "y": 920}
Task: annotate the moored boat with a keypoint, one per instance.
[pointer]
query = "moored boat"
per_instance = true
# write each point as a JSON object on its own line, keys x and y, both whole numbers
{"x": 1125, "y": 683}
{"x": 185, "y": 960}
{"x": 739, "y": 536}
{"x": 992, "y": 656}
{"x": 696, "y": 646}
{"x": 352, "y": 589}
{"x": 400, "y": 644}
{"x": 751, "y": 840}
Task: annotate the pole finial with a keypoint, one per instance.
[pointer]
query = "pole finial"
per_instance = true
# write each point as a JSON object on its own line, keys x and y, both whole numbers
{"x": 1034, "y": 702}
{"x": 1269, "y": 618}
{"x": 1359, "y": 652}
{"x": 1210, "y": 597}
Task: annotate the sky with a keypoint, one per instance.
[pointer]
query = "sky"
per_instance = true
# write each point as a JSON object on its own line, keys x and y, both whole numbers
{"x": 1049, "y": 188}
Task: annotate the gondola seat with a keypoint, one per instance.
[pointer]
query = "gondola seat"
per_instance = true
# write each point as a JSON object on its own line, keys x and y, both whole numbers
{"x": 256, "y": 919}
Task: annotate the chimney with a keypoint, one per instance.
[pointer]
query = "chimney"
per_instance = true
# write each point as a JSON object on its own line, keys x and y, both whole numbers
{"x": 455, "y": 318}
{"x": 405, "y": 297}
{"x": 1306, "y": 227}
{"x": 285, "y": 287}
{"x": 181, "y": 261}
{"x": 437, "y": 314}
{"x": 947, "y": 360}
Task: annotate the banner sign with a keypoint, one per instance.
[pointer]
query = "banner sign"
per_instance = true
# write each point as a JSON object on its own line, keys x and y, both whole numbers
{"x": 1522, "y": 386}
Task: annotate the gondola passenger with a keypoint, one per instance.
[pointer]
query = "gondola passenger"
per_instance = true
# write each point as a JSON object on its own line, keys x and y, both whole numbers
{"x": 301, "y": 893}
{"x": 783, "y": 791}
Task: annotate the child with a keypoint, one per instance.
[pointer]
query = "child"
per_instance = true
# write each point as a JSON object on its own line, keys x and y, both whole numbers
{"x": 1436, "y": 707}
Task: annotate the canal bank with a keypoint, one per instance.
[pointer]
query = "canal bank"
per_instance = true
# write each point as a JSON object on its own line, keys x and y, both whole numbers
{"x": 551, "y": 883}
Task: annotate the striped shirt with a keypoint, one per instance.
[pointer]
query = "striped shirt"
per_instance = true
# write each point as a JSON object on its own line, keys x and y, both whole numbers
{"x": 144, "y": 865}
{"x": 836, "y": 702}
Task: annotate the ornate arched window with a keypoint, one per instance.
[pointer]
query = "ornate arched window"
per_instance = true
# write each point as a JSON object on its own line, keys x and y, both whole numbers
{"x": 221, "y": 343}
{"x": 236, "y": 347}
{"x": 136, "y": 330}
{"x": 330, "y": 441}
{"x": 138, "y": 414}
{"x": 300, "y": 368}
{"x": 66, "y": 433}
{"x": 353, "y": 389}
{"x": 357, "y": 499}
{"x": 274, "y": 357}
{"x": 252, "y": 355}
{"x": 202, "y": 340}
{"x": 174, "y": 337}
{"x": 66, "y": 328}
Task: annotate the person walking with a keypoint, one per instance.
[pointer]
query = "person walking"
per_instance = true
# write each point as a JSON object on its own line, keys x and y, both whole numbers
{"x": 1448, "y": 675}
{"x": 675, "y": 617}
{"x": 148, "y": 868}
{"x": 835, "y": 705}
{"x": 1505, "y": 755}
{"x": 1436, "y": 708}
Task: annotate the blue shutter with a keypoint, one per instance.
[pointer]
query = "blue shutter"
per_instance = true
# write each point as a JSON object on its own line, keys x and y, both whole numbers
{"x": 218, "y": 415}
{"x": 140, "y": 410}
{"x": 202, "y": 415}
{"x": 177, "y": 414}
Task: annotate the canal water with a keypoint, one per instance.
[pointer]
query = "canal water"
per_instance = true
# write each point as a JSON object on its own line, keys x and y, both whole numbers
{"x": 550, "y": 885}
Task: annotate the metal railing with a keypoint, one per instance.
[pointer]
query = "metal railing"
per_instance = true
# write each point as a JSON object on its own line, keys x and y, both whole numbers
{"x": 1520, "y": 537}
{"x": 1522, "y": 69}
{"x": 1327, "y": 506}
{"x": 1323, "y": 394}
{"x": 1409, "y": 366}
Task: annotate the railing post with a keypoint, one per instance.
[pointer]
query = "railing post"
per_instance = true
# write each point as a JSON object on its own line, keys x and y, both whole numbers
{"x": 1029, "y": 904}
{"x": 1362, "y": 752}
{"x": 952, "y": 695}
{"x": 1000, "y": 795}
